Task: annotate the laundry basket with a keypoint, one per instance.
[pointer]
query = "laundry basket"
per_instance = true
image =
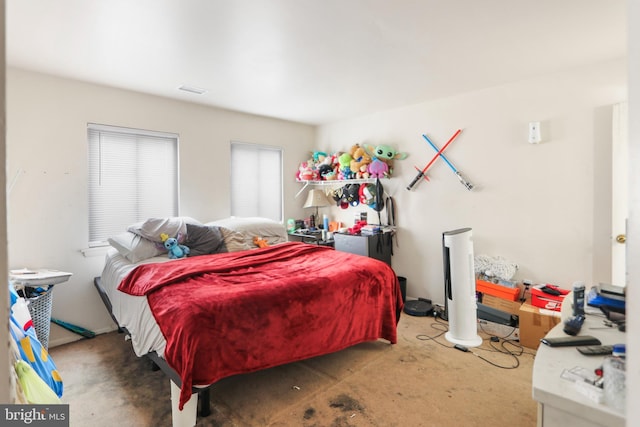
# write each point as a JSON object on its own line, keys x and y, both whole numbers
{"x": 40, "y": 310}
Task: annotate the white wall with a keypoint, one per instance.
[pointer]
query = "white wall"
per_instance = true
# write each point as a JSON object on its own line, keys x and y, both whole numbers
{"x": 47, "y": 156}
{"x": 544, "y": 207}
{"x": 633, "y": 226}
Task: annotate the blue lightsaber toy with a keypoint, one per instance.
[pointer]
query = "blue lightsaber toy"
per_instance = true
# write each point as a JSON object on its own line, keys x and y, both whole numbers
{"x": 467, "y": 184}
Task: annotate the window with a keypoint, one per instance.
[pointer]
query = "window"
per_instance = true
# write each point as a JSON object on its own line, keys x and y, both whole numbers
{"x": 256, "y": 181}
{"x": 133, "y": 175}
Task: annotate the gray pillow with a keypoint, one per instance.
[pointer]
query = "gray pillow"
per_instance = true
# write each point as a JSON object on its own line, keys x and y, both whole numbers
{"x": 203, "y": 240}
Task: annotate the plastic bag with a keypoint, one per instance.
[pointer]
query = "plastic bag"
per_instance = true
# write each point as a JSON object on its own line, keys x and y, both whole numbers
{"x": 34, "y": 387}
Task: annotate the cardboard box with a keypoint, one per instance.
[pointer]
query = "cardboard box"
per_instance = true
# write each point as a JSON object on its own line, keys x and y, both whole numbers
{"x": 535, "y": 323}
{"x": 508, "y": 306}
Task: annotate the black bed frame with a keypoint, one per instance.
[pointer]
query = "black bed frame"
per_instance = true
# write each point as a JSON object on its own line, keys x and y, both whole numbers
{"x": 204, "y": 406}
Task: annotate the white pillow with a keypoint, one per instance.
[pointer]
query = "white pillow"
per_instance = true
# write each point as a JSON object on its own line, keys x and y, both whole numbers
{"x": 134, "y": 247}
{"x": 235, "y": 241}
{"x": 153, "y": 227}
{"x": 272, "y": 231}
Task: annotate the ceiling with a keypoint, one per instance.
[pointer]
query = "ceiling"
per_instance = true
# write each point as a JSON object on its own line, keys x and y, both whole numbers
{"x": 311, "y": 61}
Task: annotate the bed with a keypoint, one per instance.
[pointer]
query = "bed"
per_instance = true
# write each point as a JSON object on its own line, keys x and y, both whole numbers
{"x": 231, "y": 307}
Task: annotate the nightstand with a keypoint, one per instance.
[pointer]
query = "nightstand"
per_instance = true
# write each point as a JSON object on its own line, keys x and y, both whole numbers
{"x": 376, "y": 246}
{"x": 311, "y": 238}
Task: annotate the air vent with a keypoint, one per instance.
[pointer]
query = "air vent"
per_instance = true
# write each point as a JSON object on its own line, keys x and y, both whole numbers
{"x": 192, "y": 89}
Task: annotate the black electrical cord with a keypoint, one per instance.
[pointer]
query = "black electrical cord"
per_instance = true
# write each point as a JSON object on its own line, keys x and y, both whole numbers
{"x": 444, "y": 328}
{"x": 437, "y": 325}
{"x": 513, "y": 330}
{"x": 505, "y": 339}
{"x": 503, "y": 351}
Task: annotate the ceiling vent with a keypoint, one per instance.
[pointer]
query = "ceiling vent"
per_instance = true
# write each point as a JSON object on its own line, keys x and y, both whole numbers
{"x": 193, "y": 89}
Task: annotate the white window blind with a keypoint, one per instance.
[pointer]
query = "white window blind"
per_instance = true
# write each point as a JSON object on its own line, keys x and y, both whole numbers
{"x": 256, "y": 181}
{"x": 133, "y": 175}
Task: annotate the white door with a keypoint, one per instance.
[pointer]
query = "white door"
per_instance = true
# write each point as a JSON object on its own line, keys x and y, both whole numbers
{"x": 619, "y": 194}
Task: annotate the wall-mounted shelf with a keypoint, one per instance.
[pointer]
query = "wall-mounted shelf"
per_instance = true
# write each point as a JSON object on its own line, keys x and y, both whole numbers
{"x": 334, "y": 183}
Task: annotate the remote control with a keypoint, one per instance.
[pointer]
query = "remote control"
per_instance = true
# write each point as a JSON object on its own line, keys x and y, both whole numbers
{"x": 575, "y": 341}
{"x": 573, "y": 324}
{"x": 596, "y": 350}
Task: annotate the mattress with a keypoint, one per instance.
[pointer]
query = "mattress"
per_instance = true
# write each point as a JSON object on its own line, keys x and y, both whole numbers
{"x": 133, "y": 312}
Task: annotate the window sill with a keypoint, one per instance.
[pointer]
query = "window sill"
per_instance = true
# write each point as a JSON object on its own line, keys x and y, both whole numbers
{"x": 93, "y": 252}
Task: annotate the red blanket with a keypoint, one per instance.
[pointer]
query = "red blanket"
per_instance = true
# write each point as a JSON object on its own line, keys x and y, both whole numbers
{"x": 240, "y": 312}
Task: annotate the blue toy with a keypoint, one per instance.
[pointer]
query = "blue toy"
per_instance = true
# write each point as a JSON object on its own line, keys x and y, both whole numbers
{"x": 176, "y": 250}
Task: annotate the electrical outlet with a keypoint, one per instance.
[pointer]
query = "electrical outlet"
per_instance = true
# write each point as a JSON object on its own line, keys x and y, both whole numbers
{"x": 534, "y": 133}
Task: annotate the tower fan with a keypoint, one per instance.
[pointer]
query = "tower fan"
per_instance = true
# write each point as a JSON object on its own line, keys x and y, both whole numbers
{"x": 460, "y": 288}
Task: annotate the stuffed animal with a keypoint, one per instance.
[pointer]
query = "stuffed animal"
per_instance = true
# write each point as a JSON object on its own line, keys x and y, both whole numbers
{"x": 260, "y": 242}
{"x": 328, "y": 167}
{"x": 176, "y": 250}
{"x": 378, "y": 169}
{"x": 345, "y": 166}
{"x": 307, "y": 172}
{"x": 360, "y": 161}
{"x": 325, "y": 171}
{"x": 319, "y": 156}
{"x": 384, "y": 154}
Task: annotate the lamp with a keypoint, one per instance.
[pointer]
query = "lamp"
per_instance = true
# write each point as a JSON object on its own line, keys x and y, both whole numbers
{"x": 316, "y": 199}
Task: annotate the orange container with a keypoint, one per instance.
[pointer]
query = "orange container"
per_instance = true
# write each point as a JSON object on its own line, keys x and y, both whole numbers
{"x": 499, "y": 291}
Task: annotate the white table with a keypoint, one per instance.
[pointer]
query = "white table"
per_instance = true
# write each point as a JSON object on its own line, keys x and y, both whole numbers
{"x": 38, "y": 277}
{"x": 560, "y": 402}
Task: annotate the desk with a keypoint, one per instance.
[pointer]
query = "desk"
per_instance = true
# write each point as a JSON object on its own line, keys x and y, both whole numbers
{"x": 559, "y": 401}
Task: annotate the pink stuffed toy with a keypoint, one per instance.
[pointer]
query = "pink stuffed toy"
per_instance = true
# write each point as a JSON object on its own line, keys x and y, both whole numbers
{"x": 378, "y": 169}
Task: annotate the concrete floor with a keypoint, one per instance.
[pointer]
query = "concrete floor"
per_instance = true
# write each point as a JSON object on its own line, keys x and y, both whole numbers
{"x": 417, "y": 382}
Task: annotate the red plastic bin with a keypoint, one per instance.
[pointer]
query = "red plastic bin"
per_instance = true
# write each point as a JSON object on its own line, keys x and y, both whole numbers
{"x": 541, "y": 299}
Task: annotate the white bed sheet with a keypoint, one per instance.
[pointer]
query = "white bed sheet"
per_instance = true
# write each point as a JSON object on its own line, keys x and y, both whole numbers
{"x": 132, "y": 312}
